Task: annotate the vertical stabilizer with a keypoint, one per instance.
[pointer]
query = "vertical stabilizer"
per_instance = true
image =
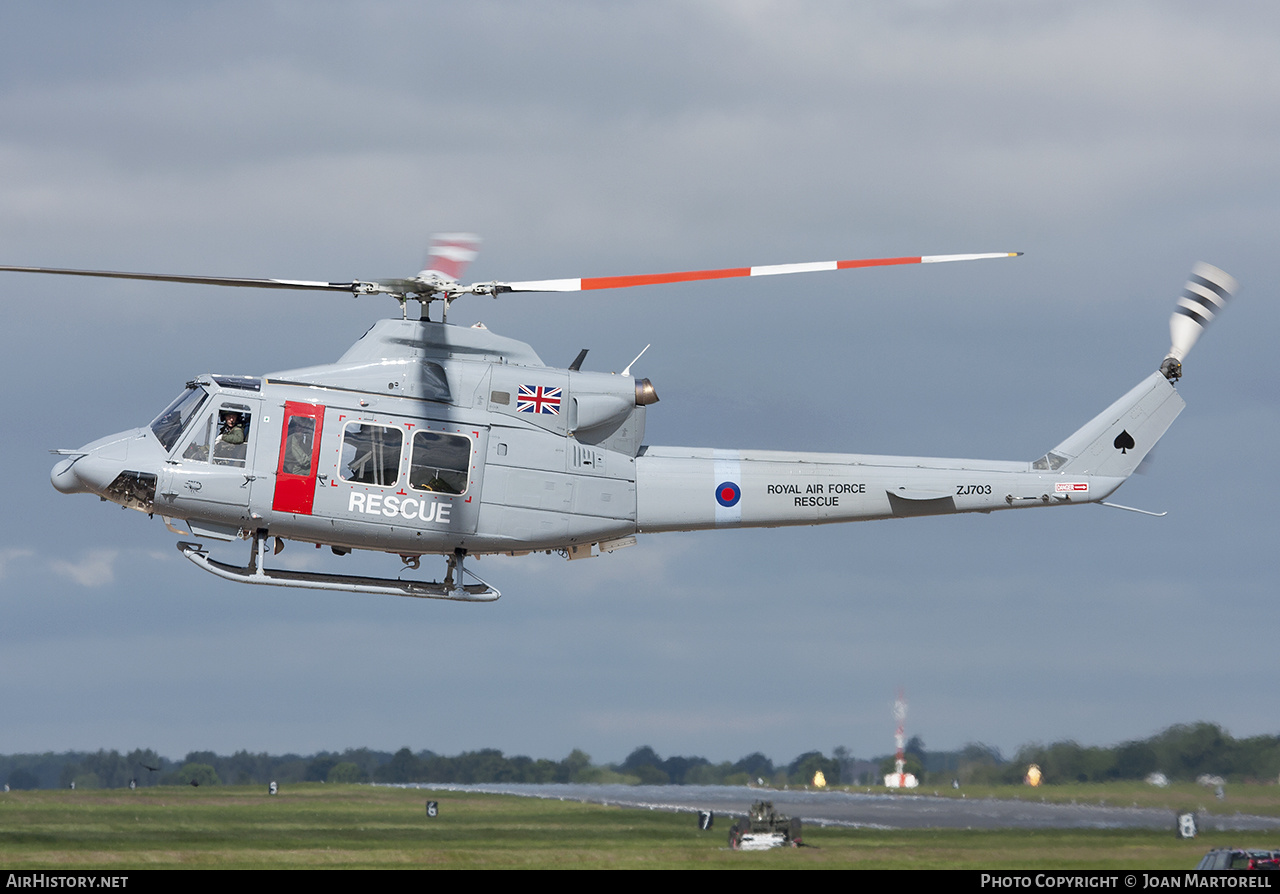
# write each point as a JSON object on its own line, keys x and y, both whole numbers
{"x": 1114, "y": 442}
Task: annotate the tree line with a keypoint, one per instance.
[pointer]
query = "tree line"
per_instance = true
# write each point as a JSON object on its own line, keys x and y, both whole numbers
{"x": 1181, "y": 752}
{"x": 144, "y": 767}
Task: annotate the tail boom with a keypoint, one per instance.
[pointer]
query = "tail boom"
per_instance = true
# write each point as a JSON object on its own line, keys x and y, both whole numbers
{"x": 689, "y": 488}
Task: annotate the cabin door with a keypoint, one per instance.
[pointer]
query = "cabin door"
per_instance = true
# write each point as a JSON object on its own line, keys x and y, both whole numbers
{"x": 299, "y": 458}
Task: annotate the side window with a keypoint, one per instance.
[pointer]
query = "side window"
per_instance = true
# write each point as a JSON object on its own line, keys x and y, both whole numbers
{"x": 370, "y": 454}
{"x": 226, "y": 431}
{"x": 440, "y": 462}
{"x": 298, "y": 442}
{"x": 232, "y": 440}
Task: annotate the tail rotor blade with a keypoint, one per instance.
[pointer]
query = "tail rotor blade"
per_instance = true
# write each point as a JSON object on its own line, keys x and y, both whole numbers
{"x": 1205, "y": 295}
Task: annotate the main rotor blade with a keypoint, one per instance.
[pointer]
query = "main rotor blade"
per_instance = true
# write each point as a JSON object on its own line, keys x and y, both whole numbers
{"x": 355, "y": 287}
{"x": 649, "y": 279}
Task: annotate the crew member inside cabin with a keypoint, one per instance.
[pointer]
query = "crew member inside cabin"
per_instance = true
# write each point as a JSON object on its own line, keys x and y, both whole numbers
{"x": 229, "y": 448}
{"x": 232, "y": 431}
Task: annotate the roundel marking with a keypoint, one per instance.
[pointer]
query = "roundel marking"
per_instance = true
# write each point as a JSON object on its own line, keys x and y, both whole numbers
{"x": 728, "y": 494}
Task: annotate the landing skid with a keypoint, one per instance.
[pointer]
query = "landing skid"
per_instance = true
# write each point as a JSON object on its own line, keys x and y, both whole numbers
{"x": 256, "y": 572}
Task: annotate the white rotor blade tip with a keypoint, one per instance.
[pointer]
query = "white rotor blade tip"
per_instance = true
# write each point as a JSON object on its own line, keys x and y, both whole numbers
{"x": 942, "y": 259}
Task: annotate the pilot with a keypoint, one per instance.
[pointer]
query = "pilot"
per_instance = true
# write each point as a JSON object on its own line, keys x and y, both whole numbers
{"x": 229, "y": 449}
{"x": 232, "y": 431}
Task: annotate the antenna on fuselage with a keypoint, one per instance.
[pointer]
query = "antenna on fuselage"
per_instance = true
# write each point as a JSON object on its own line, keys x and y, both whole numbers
{"x": 627, "y": 371}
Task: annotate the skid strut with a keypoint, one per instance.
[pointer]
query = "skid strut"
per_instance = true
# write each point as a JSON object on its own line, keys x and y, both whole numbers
{"x": 256, "y": 572}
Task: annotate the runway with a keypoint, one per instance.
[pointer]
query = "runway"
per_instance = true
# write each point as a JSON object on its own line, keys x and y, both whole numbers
{"x": 875, "y": 811}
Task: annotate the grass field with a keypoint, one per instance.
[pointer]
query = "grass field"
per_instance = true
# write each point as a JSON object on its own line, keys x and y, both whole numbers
{"x": 320, "y": 826}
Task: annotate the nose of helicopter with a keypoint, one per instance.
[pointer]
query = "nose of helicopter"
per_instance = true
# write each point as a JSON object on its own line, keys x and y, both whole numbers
{"x": 93, "y": 468}
{"x": 89, "y": 473}
{"x": 64, "y": 478}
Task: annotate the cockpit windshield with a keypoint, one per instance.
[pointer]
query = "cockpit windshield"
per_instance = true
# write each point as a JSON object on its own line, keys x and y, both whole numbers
{"x": 169, "y": 425}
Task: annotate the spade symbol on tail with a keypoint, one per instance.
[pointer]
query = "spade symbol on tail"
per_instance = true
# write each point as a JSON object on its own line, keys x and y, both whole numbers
{"x": 1123, "y": 441}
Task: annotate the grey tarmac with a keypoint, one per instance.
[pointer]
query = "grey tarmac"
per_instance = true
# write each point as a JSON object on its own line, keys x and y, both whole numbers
{"x": 874, "y": 811}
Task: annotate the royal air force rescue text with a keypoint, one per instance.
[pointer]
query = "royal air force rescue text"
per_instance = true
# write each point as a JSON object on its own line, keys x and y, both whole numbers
{"x": 816, "y": 494}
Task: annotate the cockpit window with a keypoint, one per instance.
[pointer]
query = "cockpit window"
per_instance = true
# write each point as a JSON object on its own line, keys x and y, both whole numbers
{"x": 225, "y": 434}
{"x": 248, "y": 383}
{"x": 232, "y": 441}
{"x": 169, "y": 425}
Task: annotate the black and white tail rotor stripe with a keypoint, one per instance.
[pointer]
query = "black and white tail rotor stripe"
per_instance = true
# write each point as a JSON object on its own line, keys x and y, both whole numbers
{"x": 1206, "y": 294}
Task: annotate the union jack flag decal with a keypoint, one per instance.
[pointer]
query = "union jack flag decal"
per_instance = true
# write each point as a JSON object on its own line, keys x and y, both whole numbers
{"x": 537, "y": 399}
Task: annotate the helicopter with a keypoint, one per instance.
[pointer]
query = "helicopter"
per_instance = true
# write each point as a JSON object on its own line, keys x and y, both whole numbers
{"x": 432, "y": 439}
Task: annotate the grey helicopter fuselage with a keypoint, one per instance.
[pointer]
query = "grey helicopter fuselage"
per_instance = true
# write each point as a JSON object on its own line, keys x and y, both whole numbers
{"x": 418, "y": 440}
{"x": 429, "y": 438}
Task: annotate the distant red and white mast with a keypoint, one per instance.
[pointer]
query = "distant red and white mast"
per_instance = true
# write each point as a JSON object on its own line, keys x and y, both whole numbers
{"x": 900, "y": 778}
{"x": 900, "y": 737}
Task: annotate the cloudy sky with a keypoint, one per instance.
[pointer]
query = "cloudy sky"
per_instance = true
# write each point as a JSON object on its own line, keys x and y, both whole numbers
{"x": 1116, "y": 143}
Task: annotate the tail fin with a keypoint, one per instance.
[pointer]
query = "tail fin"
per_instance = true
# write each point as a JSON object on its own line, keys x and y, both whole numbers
{"x": 1114, "y": 442}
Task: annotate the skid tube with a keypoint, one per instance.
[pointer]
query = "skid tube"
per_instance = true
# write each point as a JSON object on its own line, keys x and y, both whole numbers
{"x": 256, "y": 572}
